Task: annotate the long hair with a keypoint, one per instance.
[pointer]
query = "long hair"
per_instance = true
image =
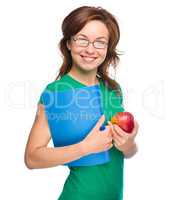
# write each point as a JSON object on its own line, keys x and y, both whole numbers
{"x": 73, "y": 23}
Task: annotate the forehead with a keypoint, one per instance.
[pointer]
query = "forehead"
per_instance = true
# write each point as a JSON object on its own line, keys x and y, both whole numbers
{"x": 94, "y": 29}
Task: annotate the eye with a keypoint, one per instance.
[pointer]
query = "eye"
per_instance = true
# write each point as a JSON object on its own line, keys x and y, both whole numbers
{"x": 82, "y": 41}
{"x": 100, "y": 44}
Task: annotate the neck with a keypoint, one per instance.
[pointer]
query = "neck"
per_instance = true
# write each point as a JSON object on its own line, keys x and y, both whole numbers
{"x": 87, "y": 78}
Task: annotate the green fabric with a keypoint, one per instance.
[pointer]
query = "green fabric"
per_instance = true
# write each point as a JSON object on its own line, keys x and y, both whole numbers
{"x": 100, "y": 182}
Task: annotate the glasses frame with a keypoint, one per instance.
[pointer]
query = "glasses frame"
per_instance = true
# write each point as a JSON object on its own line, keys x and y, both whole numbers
{"x": 89, "y": 42}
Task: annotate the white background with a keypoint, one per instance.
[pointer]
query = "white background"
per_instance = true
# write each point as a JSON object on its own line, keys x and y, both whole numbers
{"x": 29, "y": 59}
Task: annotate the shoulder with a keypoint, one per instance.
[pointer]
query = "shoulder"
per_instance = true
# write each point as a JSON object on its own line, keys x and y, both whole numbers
{"x": 50, "y": 87}
{"x": 58, "y": 85}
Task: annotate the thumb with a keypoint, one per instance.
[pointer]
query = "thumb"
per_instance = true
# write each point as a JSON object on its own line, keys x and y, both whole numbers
{"x": 99, "y": 123}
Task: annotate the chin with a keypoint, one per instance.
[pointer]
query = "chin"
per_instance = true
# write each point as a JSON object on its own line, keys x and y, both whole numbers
{"x": 88, "y": 68}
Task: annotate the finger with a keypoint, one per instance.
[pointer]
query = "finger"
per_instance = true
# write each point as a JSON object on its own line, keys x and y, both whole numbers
{"x": 109, "y": 130}
{"x": 110, "y": 124}
{"x": 107, "y": 133}
{"x": 99, "y": 123}
{"x": 119, "y": 139}
{"x": 117, "y": 131}
{"x": 112, "y": 128}
{"x": 109, "y": 140}
{"x": 120, "y": 131}
{"x": 109, "y": 146}
{"x": 106, "y": 130}
{"x": 117, "y": 145}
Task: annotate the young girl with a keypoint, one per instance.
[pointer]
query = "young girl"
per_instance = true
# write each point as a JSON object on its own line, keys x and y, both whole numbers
{"x": 90, "y": 37}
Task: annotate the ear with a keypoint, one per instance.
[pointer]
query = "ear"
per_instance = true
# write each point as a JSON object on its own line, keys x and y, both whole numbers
{"x": 68, "y": 45}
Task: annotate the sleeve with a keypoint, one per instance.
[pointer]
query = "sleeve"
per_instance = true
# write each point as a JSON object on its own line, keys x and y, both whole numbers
{"x": 41, "y": 96}
{"x": 48, "y": 89}
{"x": 40, "y": 100}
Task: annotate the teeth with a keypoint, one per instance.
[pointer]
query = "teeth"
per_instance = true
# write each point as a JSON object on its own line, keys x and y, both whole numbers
{"x": 88, "y": 58}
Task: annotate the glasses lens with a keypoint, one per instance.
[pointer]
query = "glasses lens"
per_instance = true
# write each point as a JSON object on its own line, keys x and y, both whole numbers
{"x": 100, "y": 44}
{"x": 82, "y": 42}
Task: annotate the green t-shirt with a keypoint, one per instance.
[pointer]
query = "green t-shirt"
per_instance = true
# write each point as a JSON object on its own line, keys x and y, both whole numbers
{"x": 98, "y": 182}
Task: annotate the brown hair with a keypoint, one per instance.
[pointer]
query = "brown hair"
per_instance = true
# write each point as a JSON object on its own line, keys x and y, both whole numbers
{"x": 73, "y": 23}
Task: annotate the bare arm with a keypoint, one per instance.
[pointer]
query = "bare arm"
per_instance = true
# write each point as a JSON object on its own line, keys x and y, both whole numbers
{"x": 38, "y": 155}
{"x": 131, "y": 151}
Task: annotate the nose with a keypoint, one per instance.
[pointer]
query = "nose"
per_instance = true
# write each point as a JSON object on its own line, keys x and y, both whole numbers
{"x": 90, "y": 48}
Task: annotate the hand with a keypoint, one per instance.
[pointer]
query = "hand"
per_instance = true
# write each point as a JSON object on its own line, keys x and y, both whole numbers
{"x": 98, "y": 141}
{"x": 123, "y": 141}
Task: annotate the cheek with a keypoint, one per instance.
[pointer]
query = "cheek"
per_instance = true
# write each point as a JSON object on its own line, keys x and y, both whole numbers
{"x": 75, "y": 52}
{"x": 103, "y": 55}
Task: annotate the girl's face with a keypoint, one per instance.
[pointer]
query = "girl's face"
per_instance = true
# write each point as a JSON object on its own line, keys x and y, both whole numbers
{"x": 86, "y": 55}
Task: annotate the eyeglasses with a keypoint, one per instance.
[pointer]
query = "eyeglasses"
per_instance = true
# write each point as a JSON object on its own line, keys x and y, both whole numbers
{"x": 82, "y": 42}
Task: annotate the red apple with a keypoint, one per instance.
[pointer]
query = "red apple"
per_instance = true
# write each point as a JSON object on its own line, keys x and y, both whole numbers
{"x": 124, "y": 120}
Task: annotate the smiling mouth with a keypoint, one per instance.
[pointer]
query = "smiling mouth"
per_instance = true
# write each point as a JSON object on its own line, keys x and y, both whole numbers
{"x": 88, "y": 58}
